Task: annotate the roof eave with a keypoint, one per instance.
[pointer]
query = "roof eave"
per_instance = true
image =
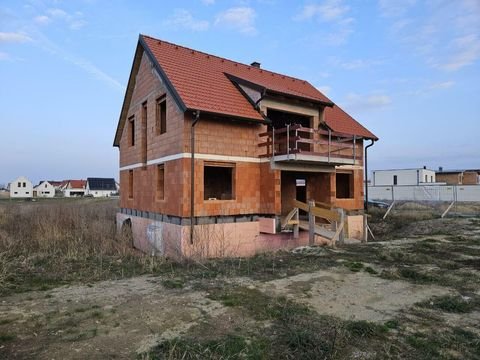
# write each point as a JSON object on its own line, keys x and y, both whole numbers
{"x": 262, "y": 121}
{"x": 302, "y": 98}
{"x": 142, "y": 46}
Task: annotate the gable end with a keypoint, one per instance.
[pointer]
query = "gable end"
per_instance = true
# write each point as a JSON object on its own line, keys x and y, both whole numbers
{"x": 142, "y": 47}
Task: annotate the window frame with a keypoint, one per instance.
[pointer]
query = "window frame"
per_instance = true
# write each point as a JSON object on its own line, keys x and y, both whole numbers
{"x": 160, "y": 182}
{"x": 130, "y": 184}
{"x": 351, "y": 185}
{"x": 161, "y": 115}
{"x": 131, "y": 130}
{"x": 227, "y": 165}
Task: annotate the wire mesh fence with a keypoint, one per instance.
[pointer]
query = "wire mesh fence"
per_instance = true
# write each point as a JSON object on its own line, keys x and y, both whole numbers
{"x": 434, "y": 193}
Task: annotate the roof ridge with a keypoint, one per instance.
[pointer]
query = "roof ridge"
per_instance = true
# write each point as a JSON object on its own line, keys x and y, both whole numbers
{"x": 229, "y": 60}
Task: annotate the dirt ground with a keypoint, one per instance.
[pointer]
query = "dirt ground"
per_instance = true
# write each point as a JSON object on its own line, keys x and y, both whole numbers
{"x": 417, "y": 296}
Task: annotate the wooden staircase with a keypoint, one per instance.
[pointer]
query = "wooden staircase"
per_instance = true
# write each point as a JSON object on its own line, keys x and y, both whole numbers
{"x": 336, "y": 217}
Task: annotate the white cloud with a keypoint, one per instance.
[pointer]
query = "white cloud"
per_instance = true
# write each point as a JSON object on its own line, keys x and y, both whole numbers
{"x": 183, "y": 19}
{"x": 333, "y": 12}
{"x": 356, "y": 102}
{"x": 58, "y": 13}
{"x": 329, "y": 10}
{"x": 74, "y": 21}
{"x": 442, "y": 85}
{"x": 466, "y": 50}
{"x": 14, "y": 37}
{"x": 447, "y": 37}
{"x": 354, "y": 64}
{"x": 241, "y": 19}
{"x": 208, "y": 2}
{"x": 4, "y": 56}
{"x": 42, "y": 19}
{"x": 47, "y": 45}
{"x": 395, "y": 8}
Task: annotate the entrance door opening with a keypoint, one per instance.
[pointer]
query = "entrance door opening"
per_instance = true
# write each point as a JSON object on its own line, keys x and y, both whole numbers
{"x": 301, "y": 192}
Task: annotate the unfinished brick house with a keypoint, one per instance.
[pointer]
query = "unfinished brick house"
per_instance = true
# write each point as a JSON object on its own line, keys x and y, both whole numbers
{"x": 246, "y": 142}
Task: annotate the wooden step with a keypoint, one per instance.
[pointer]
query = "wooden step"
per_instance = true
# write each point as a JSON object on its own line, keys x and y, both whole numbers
{"x": 319, "y": 230}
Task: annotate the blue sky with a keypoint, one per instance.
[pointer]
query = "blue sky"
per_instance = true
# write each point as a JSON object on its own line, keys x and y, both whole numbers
{"x": 409, "y": 70}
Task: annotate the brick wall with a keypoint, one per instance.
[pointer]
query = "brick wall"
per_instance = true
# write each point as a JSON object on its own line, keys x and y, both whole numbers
{"x": 356, "y": 202}
{"x": 258, "y": 188}
{"x": 450, "y": 179}
{"x": 149, "y": 88}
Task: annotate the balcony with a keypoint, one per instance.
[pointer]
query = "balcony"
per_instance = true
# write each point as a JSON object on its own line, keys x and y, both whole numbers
{"x": 306, "y": 145}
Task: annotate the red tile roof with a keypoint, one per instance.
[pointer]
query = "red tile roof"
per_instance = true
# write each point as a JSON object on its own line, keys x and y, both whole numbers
{"x": 77, "y": 184}
{"x": 201, "y": 82}
{"x": 338, "y": 120}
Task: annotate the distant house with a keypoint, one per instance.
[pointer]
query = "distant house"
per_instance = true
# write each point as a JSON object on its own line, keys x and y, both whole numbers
{"x": 21, "y": 188}
{"x": 418, "y": 176}
{"x": 100, "y": 187}
{"x": 73, "y": 188}
{"x": 44, "y": 190}
{"x": 56, "y": 184}
{"x": 459, "y": 177}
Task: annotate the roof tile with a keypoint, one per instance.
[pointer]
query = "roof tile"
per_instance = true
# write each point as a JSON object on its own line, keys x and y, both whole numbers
{"x": 201, "y": 82}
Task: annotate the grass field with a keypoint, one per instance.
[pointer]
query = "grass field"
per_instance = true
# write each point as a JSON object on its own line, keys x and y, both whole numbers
{"x": 70, "y": 287}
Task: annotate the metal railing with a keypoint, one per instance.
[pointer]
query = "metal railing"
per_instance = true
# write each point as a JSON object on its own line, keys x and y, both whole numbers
{"x": 297, "y": 139}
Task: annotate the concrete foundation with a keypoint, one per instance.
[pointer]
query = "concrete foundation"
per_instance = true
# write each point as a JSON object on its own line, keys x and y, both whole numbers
{"x": 240, "y": 239}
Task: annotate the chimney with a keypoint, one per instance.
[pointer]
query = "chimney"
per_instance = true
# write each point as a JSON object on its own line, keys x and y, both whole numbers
{"x": 424, "y": 167}
{"x": 440, "y": 169}
{"x": 255, "y": 64}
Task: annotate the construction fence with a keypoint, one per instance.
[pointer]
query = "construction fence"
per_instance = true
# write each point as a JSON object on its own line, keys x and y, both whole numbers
{"x": 446, "y": 193}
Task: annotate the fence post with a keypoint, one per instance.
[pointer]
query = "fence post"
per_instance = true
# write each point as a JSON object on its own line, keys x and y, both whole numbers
{"x": 341, "y": 237}
{"x": 311, "y": 223}
{"x": 365, "y": 228}
{"x": 296, "y": 226}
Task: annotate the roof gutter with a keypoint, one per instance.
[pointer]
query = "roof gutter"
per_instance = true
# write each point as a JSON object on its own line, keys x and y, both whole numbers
{"x": 196, "y": 118}
{"x": 366, "y": 173}
{"x": 264, "y": 92}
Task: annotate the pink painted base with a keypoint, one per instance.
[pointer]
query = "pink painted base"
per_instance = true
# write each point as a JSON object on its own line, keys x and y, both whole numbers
{"x": 209, "y": 241}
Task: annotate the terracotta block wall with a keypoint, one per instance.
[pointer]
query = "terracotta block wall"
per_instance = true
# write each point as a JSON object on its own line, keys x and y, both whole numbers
{"x": 450, "y": 179}
{"x": 270, "y": 193}
{"x": 247, "y": 191}
{"x": 223, "y": 137}
{"x": 470, "y": 178}
{"x": 355, "y": 203}
{"x": 149, "y": 88}
{"x": 144, "y": 188}
{"x": 322, "y": 187}
{"x": 258, "y": 188}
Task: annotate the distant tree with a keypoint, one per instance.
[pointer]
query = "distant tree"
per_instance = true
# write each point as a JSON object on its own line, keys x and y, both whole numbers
{"x": 3, "y": 186}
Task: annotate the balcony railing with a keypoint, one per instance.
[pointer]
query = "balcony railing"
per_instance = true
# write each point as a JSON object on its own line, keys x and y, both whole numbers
{"x": 295, "y": 142}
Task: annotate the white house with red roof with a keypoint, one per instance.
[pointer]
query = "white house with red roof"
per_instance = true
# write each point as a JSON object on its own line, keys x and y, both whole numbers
{"x": 74, "y": 188}
{"x": 44, "y": 190}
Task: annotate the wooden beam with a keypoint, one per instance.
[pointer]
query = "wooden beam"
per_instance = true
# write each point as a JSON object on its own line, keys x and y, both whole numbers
{"x": 326, "y": 214}
{"x": 337, "y": 233}
{"x": 388, "y": 210}
{"x": 300, "y": 205}
{"x": 289, "y": 217}
{"x": 448, "y": 209}
{"x": 323, "y": 205}
{"x": 311, "y": 223}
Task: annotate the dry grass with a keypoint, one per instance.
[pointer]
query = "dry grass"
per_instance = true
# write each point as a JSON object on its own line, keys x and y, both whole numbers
{"x": 54, "y": 242}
